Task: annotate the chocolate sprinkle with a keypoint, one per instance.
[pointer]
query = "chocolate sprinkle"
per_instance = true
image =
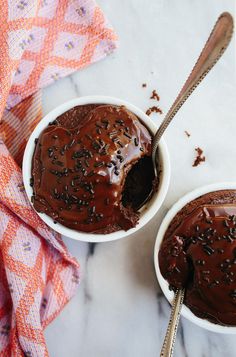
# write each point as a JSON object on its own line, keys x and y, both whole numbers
{"x": 91, "y": 173}
{"x": 209, "y": 250}
{"x": 98, "y": 164}
{"x": 127, "y": 135}
{"x": 120, "y": 144}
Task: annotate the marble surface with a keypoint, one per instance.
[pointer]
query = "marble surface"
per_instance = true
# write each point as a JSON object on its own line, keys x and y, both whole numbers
{"x": 119, "y": 309}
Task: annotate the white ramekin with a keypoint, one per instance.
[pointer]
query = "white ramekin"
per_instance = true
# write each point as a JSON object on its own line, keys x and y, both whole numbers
{"x": 151, "y": 207}
{"x": 186, "y": 312}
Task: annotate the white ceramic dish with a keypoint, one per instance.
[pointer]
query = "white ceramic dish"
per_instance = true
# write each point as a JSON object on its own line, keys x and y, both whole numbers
{"x": 186, "y": 312}
{"x": 150, "y": 208}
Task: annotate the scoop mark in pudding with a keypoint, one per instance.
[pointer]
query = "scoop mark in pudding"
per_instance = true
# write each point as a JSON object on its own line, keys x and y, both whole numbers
{"x": 199, "y": 158}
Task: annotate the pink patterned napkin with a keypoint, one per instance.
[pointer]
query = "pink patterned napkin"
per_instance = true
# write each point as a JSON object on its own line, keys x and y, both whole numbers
{"x": 41, "y": 41}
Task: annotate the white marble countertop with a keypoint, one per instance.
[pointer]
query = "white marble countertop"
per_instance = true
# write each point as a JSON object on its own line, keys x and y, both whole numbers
{"x": 119, "y": 309}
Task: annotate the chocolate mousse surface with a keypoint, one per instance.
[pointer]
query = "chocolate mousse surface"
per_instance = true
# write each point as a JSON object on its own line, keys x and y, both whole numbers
{"x": 92, "y": 167}
{"x": 198, "y": 253}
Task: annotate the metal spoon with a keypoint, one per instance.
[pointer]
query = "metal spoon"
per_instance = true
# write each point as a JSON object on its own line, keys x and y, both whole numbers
{"x": 214, "y": 48}
{"x": 169, "y": 341}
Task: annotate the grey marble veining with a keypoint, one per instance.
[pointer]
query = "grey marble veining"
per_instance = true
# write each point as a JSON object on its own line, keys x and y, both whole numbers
{"x": 119, "y": 310}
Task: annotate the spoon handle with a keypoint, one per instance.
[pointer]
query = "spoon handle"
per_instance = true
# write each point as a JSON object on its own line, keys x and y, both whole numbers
{"x": 169, "y": 341}
{"x": 212, "y": 51}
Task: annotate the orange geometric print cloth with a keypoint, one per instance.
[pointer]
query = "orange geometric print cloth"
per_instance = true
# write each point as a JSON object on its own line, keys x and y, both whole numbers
{"x": 42, "y": 41}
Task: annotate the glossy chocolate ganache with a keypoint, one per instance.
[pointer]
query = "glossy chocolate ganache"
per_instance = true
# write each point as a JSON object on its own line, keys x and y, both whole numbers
{"x": 92, "y": 168}
{"x": 199, "y": 253}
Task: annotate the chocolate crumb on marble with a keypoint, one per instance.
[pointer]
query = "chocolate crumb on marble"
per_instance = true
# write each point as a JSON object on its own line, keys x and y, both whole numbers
{"x": 155, "y": 95}
{"x": 199, "y": 158}
{"x": 154, "y": 109}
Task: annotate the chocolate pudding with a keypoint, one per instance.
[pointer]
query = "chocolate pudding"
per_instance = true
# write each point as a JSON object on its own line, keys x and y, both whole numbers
{"x": 198, "y": 253}
{"x": 92, "y": 168}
